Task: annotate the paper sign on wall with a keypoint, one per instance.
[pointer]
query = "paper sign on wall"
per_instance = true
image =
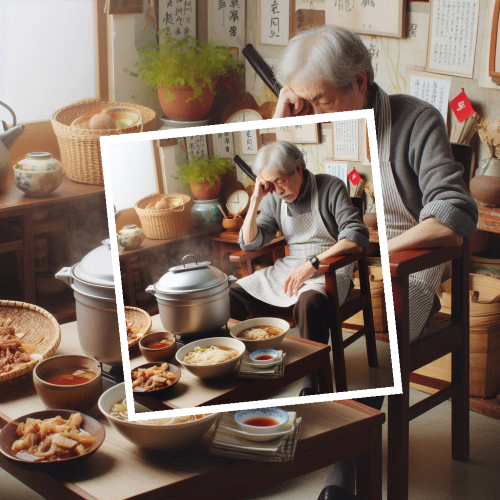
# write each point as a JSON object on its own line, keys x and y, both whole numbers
{"x": 274, "y": 22}
{"x": 301, "y": 134}
{"x": 434, "y": 89}
{"x": 453, "y": 35}
{"x": 337, "y": 169}
{"x": 197, "y": 145}
{"x": 179, "y": 16}
{"x": 226, "y": 25}
{"x": 223, "y": 145}
{"x": 345, "y": 140}
{"x": 249, "y": 143}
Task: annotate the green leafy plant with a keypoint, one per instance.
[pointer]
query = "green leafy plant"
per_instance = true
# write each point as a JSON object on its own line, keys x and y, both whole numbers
{"x": 202, "y": 168}
{"x": 175, "y": 63}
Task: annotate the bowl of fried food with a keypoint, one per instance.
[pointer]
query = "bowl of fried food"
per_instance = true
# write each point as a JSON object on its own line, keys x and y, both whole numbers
{"x": 28, "y": 334}
{"x": 50, "y": 439}
{"x": 153, "y": 379}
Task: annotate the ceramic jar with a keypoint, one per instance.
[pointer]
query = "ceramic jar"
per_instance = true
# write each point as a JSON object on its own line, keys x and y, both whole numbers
{"x": 206, "y": 212}
{"x": 130, "y": 237}
{"x": 485, "y": 186}
{"x": 38, "y": 174}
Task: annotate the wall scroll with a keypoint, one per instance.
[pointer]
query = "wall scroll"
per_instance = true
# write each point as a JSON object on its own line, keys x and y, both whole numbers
{"x": 337, "y": 169}
{"x": 370, "y": 17}
{"x": 345, "y": 140}
{"x": 250, "y": 142}
{"x": 197, "y": 145}
{"x": 125, "y": 7}
{"x": 179, "y": 16}
{"x": 274, "y": 16}
{"x": 223, "y": 145}
{"x": 453, "y": 36}
{"x": 226, "y": 25}
{"x": 300, "y": 134}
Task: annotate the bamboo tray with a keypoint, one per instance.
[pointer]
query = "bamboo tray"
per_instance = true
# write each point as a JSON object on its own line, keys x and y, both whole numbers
{"x": 140, "y": 321}
{"x": 42, "y": 333}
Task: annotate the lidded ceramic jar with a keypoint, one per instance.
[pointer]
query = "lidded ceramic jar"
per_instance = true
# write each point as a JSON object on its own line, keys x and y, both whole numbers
{"x": 38, "y": 174}
{"x": 130, "y": 237}
{"x": 206, "y": 212}
{"x": 93, "y": 285}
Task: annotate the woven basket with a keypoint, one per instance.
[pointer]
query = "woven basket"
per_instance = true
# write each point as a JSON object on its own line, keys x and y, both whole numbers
{"x": 42, "y": 332}
{"x": 140, "y": 321}
{"x": 80, "y": 147}
{"x": 164, "y": 224}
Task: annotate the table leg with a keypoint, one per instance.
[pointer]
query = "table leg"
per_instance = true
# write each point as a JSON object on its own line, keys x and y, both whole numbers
{"x": 369, "y": 468}
{"x": 325, "y": 383}
{"x": 29, "y": 258}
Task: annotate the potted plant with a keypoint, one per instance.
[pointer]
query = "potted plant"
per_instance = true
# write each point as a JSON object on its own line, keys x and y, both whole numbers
{"x": 485, "y": 186}
{"x": 203, "y": 174}
{"x": 183, "y": 72}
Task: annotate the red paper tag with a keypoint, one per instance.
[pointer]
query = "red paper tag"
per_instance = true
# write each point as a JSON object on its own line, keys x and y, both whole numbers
{"x": 354, "y": 177}
{"x": 462, "y": 107}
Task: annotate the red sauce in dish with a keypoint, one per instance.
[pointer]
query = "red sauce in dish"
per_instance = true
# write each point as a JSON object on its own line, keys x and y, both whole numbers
{"x": 159, "y": 345}
{"x": 264, "y": 357}
{"x": 261, "y": 422}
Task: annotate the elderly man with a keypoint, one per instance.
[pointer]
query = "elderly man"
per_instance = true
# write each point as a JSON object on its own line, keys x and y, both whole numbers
{"x": 426, "y": 204}
{"x": 318, "y": 221}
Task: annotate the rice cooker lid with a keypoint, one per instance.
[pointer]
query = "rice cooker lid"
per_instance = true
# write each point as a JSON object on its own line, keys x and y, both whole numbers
{"x": 96, "y": 267}
{"x": 190, "y": 277}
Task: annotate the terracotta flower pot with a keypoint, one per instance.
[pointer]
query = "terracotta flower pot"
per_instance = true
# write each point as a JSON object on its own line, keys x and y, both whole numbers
{"x": 203, "y": 191}
{"x": 183, "y": 111}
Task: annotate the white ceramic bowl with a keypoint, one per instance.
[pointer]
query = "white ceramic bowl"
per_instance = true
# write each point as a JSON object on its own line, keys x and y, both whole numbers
{"x": 253, "y": 345}
{"x": 262, "y": 438}
{"x": 281, "y": 416}
{"x": 212, "y": 371}
{"x": 153, "y": 437}
{"x": 272, "y": 354}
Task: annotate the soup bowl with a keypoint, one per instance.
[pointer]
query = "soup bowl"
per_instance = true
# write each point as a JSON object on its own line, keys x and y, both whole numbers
{"x": 80, "y": 397}
{"x": 212, "y": 371}
{"x": 253, "y": 345}
{"x": 263, "y": 415}
{"x": 162, "y": 354}
{"x": 153, "y": 437}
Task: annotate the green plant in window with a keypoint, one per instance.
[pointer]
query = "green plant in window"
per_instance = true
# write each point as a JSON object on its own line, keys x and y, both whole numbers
{"x": 202, "y": 168}
{"x": 176, "y": 63}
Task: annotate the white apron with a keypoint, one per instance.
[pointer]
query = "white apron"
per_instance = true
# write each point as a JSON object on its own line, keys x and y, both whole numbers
{"x": 306, "y": 236}
{"x": 398, "y": 219}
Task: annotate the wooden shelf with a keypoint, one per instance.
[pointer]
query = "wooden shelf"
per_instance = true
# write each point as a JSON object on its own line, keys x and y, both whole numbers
{"x": 50, "y": 226}
{"x": 60, "y": 305}
{"x": 11, "y": 246}
{"x": 489, "y": 219}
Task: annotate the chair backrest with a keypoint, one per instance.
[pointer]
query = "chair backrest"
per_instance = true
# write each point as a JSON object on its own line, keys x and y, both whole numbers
{"x": 359, "y": 204}
{"x": 463, "y": 153}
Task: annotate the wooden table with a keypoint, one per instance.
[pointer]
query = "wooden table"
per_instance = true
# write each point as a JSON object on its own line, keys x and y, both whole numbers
{"x": 302, "y": 358}
{"x": 331, "y": 432}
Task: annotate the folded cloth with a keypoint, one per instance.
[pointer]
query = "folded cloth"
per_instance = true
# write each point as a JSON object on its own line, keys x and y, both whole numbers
{"x": 228, "y": 443}
{"x": 249, "y": 370}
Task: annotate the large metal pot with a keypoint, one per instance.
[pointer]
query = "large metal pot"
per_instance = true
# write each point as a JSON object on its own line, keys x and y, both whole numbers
{"x": 94, "y": 291}
{"x": 193, "y": 298}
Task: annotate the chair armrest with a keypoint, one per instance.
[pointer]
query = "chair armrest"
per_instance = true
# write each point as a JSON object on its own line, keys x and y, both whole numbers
{"x": 411, "y": 261}
{"x": 245, "y": 256}
{"x": 333, "y": 263}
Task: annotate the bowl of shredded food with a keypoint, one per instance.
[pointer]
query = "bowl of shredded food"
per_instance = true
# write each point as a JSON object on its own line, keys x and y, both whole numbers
{"x": 212, "y": 357}
{"x": 156, "y": 434}
{"x": 154, "y": 378}
{"x": 260, "y": 333}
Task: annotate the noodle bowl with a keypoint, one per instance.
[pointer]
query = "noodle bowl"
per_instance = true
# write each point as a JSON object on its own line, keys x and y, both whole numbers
{"x": 211, "y": 355}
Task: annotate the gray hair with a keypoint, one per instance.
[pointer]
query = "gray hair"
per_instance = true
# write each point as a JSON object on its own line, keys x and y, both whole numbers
{"x": 279, "y": 156}
{"x": 327, "y": 54}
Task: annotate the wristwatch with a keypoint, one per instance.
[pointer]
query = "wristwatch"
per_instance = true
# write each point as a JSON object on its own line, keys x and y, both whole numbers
{"x": 314, "y": 262}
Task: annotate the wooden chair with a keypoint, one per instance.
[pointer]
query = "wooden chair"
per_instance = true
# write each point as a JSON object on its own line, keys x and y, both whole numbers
{"x": 356, "y": 301}
{"x": 442, "y": 335}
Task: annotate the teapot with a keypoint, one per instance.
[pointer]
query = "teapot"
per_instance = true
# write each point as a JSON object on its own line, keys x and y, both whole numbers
{"x": 7, "y": 139}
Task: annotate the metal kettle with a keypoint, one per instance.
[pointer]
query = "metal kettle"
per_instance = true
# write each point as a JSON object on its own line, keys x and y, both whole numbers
{"x": 8, "y": 136}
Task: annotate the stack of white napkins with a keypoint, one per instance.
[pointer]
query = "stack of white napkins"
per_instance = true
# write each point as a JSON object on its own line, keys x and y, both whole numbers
{"x": 248, "y": 369}
{"x": 230, "y": 444}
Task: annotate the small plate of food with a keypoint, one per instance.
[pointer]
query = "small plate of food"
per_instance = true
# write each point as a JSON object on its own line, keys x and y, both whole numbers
{"x": 49, "y": 439}
{"x": 152, "y": 379}
{"x": 138, "y": 323}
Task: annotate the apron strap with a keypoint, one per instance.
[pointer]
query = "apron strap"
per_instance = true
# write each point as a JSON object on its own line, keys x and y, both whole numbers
{"x": 385, "y": 126}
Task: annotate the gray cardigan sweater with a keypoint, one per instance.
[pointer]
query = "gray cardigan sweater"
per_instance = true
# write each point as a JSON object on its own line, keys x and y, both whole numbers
{"x": 340, "y": 217}
{"x": 428, "y": 179}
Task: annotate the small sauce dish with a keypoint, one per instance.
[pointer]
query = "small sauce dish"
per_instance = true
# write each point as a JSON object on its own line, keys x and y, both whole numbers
{"x": 264, "y": 356}
{"x": 262, "y": 420}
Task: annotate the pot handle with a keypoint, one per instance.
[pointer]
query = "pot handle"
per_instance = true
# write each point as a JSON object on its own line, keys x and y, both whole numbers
{"x": 232, "y": 279}
{"x": 151, "y": 289}
{"x": 190, "y": 255}
{"x": 65, "y": 275}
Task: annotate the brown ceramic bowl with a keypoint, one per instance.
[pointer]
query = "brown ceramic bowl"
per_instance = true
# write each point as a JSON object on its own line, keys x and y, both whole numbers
{"x": 370, "y": 220}
{"x": 79, "y": 397}
{"x": 90, "y": 425}
{"x": 486, "y": 190}
{"x": 233, "y": 224}
{"x": 171, "y": 368}
{"x": 155, "y": 355}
